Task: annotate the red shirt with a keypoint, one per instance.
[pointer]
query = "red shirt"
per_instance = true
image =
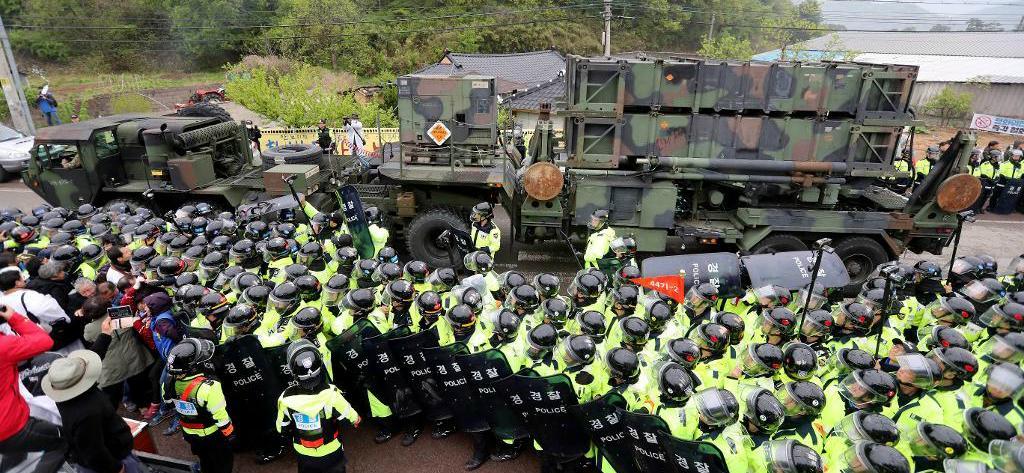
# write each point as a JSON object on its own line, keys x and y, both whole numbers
{"x": 31, "y": 341}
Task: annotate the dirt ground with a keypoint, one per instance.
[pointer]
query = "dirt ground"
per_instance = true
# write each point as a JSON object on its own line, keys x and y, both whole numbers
{"x": 937, "y": 134}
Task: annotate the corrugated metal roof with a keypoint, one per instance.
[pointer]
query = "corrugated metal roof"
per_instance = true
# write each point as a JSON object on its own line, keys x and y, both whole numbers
{"x": 996, "y": 70}
{"x": 551, "y": 92}
{"x": 513, "y": 71}
{"x": 1002, "y": 44}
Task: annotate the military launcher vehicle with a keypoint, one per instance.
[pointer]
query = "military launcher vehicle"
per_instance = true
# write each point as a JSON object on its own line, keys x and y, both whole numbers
{"x": 748, "y": 156}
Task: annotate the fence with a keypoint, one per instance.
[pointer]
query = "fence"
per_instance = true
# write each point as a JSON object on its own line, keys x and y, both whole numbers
{"x": 285, "y": 136}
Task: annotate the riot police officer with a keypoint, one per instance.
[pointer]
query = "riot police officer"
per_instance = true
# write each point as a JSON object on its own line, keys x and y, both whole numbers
{"x": 484, "y": 233}
{"x": 199, "y": 401}
{"x": 600, "y": 239}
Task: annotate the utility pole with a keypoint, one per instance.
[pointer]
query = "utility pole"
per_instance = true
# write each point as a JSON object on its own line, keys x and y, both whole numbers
{"x": 607, "y": 27}
{"x": 14, "y": 93}
{"x": 711, "y": 28}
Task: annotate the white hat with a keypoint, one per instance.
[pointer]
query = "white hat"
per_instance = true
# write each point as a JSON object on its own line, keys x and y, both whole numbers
{"x": 69, "y": 377}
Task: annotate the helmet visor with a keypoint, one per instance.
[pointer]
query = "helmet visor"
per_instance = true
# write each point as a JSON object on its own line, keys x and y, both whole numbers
{"x": 961, "y": 266}
{"x": 753, "y": 366}
{"x": 778, "y": 455}
{"x": 714, "y": 408}
{"x": 1006, "y": 351}
{"x": 858, "y": 393}
{"x": 332, "y": 296}
{"x": 817, "y": 300}
{"x": 1017, "y": 265}
{"x": 979, "y": 292}
{"x": 277, "y": 303}
{"x": 915, "y": 370}
{"x": 950, "y": 465}
{"x": 944, "y": 313}
{"x": 996, "y": 317}
{"x": 1004, "y": 382}
{"x": 1007, "y": 456}
{"x": 794, "y": 406}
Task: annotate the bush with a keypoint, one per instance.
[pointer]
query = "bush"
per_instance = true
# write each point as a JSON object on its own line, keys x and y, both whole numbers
{"x": 949, "y": 104}
{"x": 300, "y": 96}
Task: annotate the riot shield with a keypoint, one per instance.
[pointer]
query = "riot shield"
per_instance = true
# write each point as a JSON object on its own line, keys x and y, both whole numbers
{"x": 251, "y": 387}
{"x": 720, "y": 269}
{"x": 355, "y": 220}
{"x": 351, "y": 363}
{"x": 601, "y": 419}
{"x": 450, "y": 383}
{"x": 687, "y": 457}
{"x": 484, "y": 369}
{"x": 642, "y": 432}
{"x": 459, "y": 245}
{"x": 32, "y": 371}
{"x": 792, "y": 269}
{"x": 278, "y": 358}
{"x": 543, "y": 404}
{"x": 1007, "y": 201}
{"x": 408, "y": 352}
{"x": 386, "y": 380}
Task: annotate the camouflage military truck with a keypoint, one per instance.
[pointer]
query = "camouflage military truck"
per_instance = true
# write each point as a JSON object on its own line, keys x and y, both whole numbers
{"x": 755, "y": 157}
{"x": 172, "y": 159}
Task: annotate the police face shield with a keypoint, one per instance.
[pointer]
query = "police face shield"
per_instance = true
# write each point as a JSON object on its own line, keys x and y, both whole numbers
{"x": 221, "y": 281}
{"x": 817, "y": 301}
{"x": 780, "y": 456}
{"x": 1007, "y": 456}
{"x": 794, "y": 405}
{"x": 814, "y": 330}
{"x": 1005, "y": 381}
{"x": 715, "y": 409}
{"x": 941, "y": 310}
{"x": 950, "y": 465}
{"x": 859, "y": 394}
{"x": 1003, "y": 350}
{"x": 753, "y": 365}
{"x": 856, "y": 458}
{"x": 674, "y": 383}
{"x": 208, "y": 273}
{"x": 332, "y": 296}
{"x": 766, "y": 296}
{"x": 962, "y": 266}
{"x": 996, "y": 317}
{"x": 279, "y": 305}
{"x": 1016, "y": 267}
{"x": 596, "y": 223}
{"x": 696, "y": 301}
{"x": 979, "y": 294}
{"x": 916, "y": 370}
{"x": 138, "y": 267}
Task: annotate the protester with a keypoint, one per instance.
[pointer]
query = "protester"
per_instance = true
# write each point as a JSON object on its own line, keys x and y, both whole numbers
{"x": 44, "y": 310}
{"x": 52, "y": 281}
{"x": 47, "y": 106}
{"x": 100, "y": 440}
{"x": 19, "y": 433}
{"x": 125, "y": 357}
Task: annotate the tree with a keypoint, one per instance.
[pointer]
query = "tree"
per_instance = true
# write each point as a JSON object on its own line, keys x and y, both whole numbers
{"x": 975, "y": 24}
{"x": 836, "y": 50}
{"x": 940, "y": 28}
{"x": 949, "y": 104}
{"x": 726, "y": 46}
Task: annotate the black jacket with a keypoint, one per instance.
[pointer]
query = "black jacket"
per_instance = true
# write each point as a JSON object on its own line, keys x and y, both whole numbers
{"x": 59, "y": 290}
{"x": 99, "y": 437}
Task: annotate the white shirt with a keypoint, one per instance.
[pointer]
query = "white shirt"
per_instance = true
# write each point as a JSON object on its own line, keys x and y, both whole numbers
{"x": 45, "y": 308}
{"x": 114, "y": 276}
{"x": 355, "y": 134}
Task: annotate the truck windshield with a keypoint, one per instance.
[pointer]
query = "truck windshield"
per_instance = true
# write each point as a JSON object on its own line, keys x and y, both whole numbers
{"x": 56, "y": 156}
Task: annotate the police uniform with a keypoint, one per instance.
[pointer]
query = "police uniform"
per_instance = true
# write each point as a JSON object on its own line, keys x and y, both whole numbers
{"x": 487, "y": 237}
{"x": 314, "y": 422}
{"x": 202, "y": 413}
{"x": 599, "y": 244}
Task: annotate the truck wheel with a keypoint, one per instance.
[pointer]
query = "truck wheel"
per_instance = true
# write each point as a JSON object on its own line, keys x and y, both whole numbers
{"x": 206, "y": 109}
{"x": 421, "y": 236}
{"x": 297, "y": 153}
{"x": 861, "y": 255}
{"x": 4, "y": 175}
{"x": 778, "y": 243}
{"x": 132, "y": 204}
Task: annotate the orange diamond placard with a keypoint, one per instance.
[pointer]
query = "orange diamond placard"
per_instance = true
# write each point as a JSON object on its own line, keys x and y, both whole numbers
{"x": 439, "y": 133}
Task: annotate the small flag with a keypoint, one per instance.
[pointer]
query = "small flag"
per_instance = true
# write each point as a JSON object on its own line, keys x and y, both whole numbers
{"x": 672, "y": 285}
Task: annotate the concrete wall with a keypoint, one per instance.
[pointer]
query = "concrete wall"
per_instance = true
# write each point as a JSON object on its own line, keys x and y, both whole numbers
{"x": 1006, "y": 100}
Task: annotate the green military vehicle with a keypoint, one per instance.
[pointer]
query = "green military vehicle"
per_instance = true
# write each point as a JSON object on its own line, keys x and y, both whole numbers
{"x": 755, "y": 157}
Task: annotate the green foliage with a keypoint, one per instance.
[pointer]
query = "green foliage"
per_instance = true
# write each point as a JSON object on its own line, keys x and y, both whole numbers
{"x": 949, "y": 104}
{"x": 130, "y": 103}
{"x": 298, "y": 98}
{"x": 726, "y": 46}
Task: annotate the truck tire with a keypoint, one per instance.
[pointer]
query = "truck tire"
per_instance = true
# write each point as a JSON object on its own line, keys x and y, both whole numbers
{"x": 4, "y": 175}
{"x": 778, "y": 243}
{"x": 421, "y": 236}
{"x": 861, "y": 256}
{"x": 132, "y": 204}
{"x": 297, "y": 153}
{"x": 206, "y": 109}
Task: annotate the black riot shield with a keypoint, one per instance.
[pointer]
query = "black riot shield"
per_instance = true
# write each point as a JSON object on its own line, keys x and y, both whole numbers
{"x": 251, "y": 387}
{"x": 720, "y": 269}
{"x": 450, "y": 382}
{"x": 351, "y": 363}
{"x": 408, "y": 352}
{"x": 278, "y": 358}
{"x": 688, "y": 457}
{"x": 792, "y": 270}
{"x": 355, "y": 220}
{"x": 642, "y": 432}
{"x": 484, "y": 369}
{"x": 601, "y": 419}
{"x": 544, "y": 404}
{"x": 32, "y": 371}
{"x": 1007, "y": 202}
{"x": 386, "y": 380}
{"x": 459, "y": 245}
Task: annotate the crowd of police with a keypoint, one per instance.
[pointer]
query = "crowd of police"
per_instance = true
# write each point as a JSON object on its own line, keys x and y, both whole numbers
{"x": 1000, "y": 170}
{"x": 919, "y": 372}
